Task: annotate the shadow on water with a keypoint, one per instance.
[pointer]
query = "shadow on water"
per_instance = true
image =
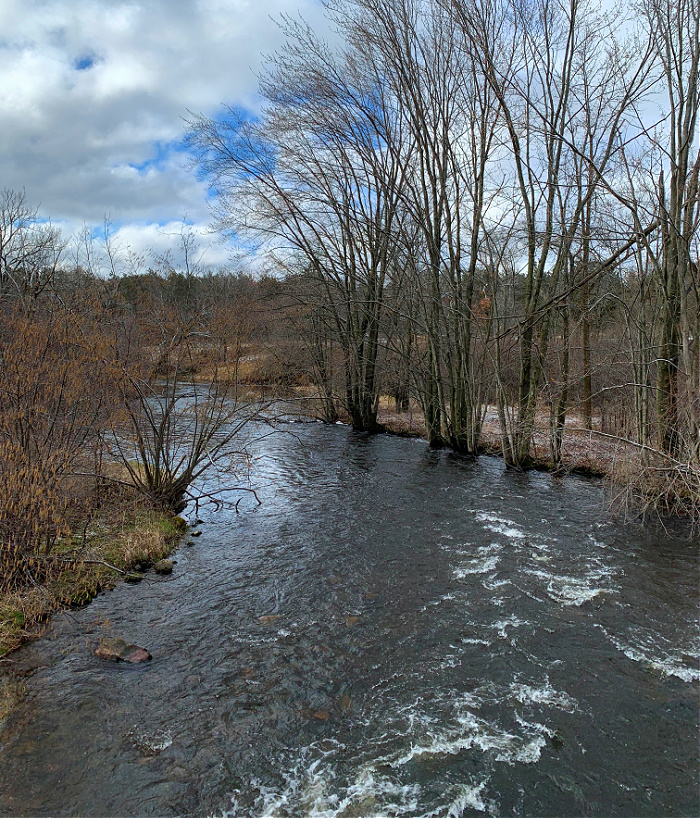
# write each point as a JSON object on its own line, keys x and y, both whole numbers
{"x": 394, "y": 631}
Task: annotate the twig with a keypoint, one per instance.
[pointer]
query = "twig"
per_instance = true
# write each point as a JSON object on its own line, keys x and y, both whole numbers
{"x": 85, "y": 561}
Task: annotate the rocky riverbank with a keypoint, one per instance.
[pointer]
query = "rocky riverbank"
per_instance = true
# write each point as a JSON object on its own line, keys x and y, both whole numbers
{"x": 116, "y": 546}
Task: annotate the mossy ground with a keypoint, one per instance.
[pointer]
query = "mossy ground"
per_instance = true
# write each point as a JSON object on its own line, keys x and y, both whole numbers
{"x": 116, "y": 545}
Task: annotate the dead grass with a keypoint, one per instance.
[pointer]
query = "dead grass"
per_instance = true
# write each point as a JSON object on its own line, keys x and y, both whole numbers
{"x": 259, "y": 367}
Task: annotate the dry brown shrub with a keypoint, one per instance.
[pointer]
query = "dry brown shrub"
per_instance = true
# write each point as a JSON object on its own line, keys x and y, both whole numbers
{"x": 648, "y": 481}
{"x": 56, "y": 376}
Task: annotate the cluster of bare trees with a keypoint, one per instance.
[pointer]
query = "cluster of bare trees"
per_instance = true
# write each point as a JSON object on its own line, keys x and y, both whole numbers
{"x": 471, "y": 191}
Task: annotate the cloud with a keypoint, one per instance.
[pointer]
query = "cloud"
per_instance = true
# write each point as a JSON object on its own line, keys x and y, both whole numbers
{"x": 95, "y": 92}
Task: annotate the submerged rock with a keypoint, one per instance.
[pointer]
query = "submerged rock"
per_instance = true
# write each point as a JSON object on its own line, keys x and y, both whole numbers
{"x": 268, "y": 619}
{"x": 163, "y": 567}
{"x": 117, "y": 650}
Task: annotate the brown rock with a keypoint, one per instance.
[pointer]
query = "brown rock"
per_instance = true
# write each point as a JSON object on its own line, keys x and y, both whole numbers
{"x": 163, "y": 567}
{"x": 269, "y": 619}
{"x": 352, "y": 620}
{"x": 117, "y": 650}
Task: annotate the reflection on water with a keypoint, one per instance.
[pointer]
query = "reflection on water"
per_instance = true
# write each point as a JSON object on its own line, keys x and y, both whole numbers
{"x": 395, "y": 631}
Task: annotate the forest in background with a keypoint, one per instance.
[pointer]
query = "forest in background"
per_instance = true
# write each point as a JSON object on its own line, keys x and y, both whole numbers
{"x": 480, "y": 222}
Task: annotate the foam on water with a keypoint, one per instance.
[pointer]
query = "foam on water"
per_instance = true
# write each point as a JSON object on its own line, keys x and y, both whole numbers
{"x": 308, "y": 792}
{"x": 476, "y": 566}
{"x": 545, "y": 694}
{"x": 471, "y": 731}
{"x": 511, "y": 622}
{"x": 469, "y": 796}
{"x": 574, "y": 590}
{"x": 500, "y": 525}
{"x": 491, "y": 584}
{"x": 644, "y": 647}
{"x": 431, "y": 733}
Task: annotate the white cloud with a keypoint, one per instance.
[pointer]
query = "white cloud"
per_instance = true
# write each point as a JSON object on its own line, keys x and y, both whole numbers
{"x": 94, "y": 93}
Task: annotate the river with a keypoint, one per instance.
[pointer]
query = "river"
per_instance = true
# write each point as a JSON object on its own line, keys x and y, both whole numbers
{"x": 394, "y": 631}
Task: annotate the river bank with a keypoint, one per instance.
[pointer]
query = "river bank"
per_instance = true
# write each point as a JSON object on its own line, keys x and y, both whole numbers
{"x": 122, "y": 542}
{"x": 641, "y": 479}
{"x": 593, "y": 452}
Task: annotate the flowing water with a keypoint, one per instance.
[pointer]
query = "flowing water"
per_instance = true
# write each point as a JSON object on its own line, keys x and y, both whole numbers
{"x": 395, "y": 631}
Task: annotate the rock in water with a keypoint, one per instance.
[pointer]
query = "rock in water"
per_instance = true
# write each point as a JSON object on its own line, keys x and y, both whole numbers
{"x": 163, "y": 567}
{"x": 117, "y": 650}
{"x": 268, "y": 619}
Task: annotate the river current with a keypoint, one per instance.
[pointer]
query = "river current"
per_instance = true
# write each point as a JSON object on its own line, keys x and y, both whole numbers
{"x": 394, "y": 631}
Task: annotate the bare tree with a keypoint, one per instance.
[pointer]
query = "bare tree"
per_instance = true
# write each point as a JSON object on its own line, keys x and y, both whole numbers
{"x": 319, "y": 179}
{"x": 532, "y": 56}
{"x": 451, "y": 115}
{"x": 675, "y": 30}
{"x": 30, "y": 249}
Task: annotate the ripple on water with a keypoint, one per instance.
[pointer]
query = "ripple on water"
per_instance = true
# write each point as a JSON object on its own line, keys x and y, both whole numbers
{"x": 569, "y": 589}
{"x": 470, "y": 797}
{"x": 544, "y": 695}
{"x": 432, "y": 735}
{"x": 475, "y": 681}
{"x": 481, "y": 565}
{"x": 311, "y": 790}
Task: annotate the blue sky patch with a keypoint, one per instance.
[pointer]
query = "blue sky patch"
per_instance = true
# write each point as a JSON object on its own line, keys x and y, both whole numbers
{"x": 83, "y": 63}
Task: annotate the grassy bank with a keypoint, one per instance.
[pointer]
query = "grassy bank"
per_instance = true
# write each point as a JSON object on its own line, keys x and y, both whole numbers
{"x": 120, "y": 543}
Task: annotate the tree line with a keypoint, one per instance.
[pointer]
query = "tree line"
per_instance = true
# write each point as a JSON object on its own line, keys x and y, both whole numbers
{"x": 499, "y": 198}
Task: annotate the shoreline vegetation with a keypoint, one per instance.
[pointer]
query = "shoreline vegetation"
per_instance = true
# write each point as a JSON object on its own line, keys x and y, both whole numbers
{"x": 127, "y": 536}
{"x": 127, "y": 533}
{"x": 122, "y": 544}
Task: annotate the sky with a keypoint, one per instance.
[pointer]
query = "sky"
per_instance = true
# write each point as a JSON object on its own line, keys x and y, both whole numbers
{"x": 93, "y": 96}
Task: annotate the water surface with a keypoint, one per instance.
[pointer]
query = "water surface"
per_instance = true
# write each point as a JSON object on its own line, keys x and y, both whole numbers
{"x": 394, "y": 632}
